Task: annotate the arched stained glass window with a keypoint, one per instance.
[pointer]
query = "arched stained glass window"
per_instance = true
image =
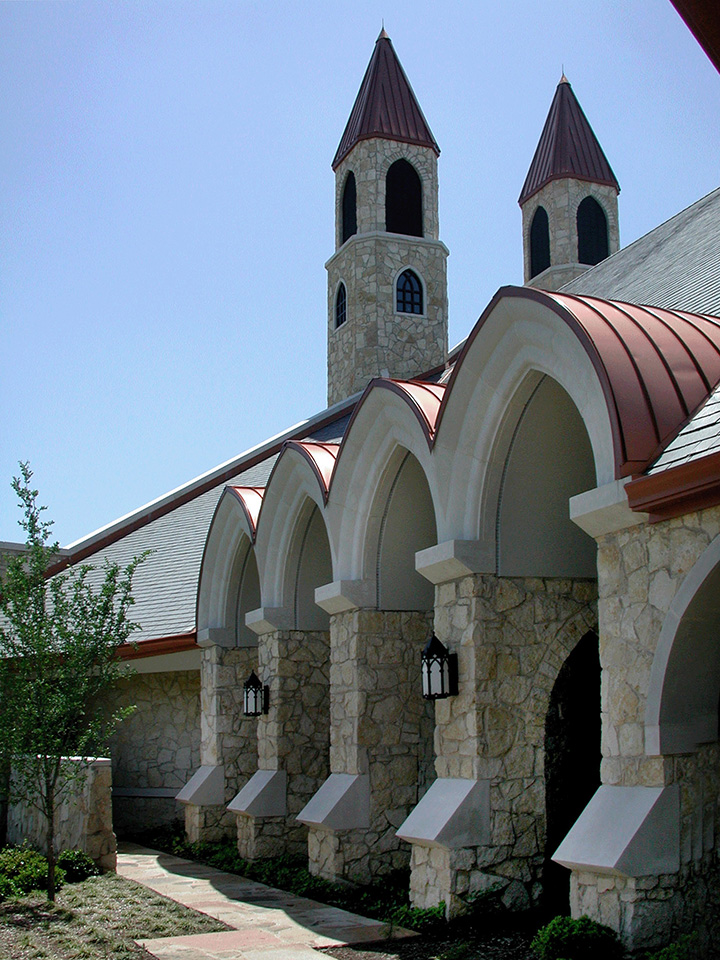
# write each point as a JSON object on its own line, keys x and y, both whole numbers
{"x": 592, "y": 232}
{"x": 340, "y": 306}
{"x": 409, "y": 293}
{"x": 349, "y": 208}
{"x": 403, "y": 200}
{"x": 539, "y": 242}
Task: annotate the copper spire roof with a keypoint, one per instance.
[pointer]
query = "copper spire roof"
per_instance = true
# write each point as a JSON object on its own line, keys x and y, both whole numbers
{"x": 385, "y": 105}
{"x": 567, "y": 148}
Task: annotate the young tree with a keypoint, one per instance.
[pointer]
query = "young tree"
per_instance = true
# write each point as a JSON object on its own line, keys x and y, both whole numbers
{"x": 59, "y": 640}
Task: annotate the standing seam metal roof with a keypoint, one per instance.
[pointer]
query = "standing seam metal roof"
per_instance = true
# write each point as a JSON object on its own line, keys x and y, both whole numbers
{"x": 385, "y": 105}
{"x": 567, "y": 148}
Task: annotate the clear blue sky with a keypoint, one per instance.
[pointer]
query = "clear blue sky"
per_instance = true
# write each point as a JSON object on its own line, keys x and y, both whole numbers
{"x": 167, "y": 204}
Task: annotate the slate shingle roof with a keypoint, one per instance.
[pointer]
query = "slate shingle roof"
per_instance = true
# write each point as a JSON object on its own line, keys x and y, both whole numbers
{"x": 676, "y": 265}
{"x": 165, "y": 585}
{"x": 699, "y": 438}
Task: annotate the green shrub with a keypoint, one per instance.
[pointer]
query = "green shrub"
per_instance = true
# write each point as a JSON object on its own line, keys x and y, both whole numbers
{"x": 8, "y": 890}
{"x": 77, "y": 865}
{"x": 683, "y": 949}
{"x": 27, "y": 869}
{"x": 581, "y": 939}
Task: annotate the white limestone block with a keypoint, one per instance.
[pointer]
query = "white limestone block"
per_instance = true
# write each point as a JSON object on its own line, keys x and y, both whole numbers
{"x": 626, "y": 831}
{"x": 216, "y": 637}
{"x": 342, "y": 595}
{"x": 454, "y": 559}
{"x": 268, "y": 619}
{"x": 453, "y": 813}
{"x": 341, "y": 803}
{"x": 604, "y": 509}
{"x": 206, "y": 787}
{"x": 264, "y": 795}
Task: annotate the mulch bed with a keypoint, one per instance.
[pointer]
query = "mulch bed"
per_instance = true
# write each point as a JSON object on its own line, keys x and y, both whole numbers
{"x": 483, "y": 939}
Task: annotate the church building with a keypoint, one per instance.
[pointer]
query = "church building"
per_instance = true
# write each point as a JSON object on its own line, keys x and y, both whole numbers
{"x": 462, "y": 621}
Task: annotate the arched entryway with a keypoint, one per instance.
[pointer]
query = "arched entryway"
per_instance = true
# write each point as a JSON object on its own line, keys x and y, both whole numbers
{"x": 572, "y": 758}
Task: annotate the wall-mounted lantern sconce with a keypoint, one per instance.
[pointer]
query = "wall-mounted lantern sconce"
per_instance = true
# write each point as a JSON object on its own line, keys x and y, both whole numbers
{"x": 439, "y": 671}
{"x": 256, "y": 697}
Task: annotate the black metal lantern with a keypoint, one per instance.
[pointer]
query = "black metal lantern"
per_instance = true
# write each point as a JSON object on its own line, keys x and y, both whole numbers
{"x": 256, "y": 697}
{"x": 439, "y": 671}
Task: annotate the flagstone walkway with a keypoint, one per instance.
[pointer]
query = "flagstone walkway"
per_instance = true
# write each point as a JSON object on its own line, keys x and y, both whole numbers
{"x": 267, "y": 924}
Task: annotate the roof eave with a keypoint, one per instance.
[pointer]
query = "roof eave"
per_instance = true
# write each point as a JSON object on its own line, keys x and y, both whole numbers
{"x": 678, "y": 490}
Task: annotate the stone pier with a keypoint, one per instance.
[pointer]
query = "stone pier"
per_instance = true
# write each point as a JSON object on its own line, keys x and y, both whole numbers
{"x": 228, "y": 742}
{"x": 381, "y": 745}
{"x": 511, "y": 636}
{"x": 293, "y": 743}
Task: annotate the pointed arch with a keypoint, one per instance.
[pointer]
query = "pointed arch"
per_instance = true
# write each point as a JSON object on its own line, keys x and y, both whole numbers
{"x": 403, "y": 200}
{"x": 284, "y": 543}
{"x": 228, "y": 578}
{"x": 409, "y": 293}
{"x": 684, "y": 687}
{"x": 392, "y": 416}
{"x": 349, "y": 208}
{"x": 340, "y": 305}
{"x": 539, "y": 242}
{"x": 592, "y": 232}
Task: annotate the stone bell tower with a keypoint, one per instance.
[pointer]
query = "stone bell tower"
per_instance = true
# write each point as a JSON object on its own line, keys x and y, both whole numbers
{"x": 569, "y": 198}
{"x": 387, "y": 280}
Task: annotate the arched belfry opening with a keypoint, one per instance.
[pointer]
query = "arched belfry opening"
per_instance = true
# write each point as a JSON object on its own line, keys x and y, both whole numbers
{"x": 403, "y": 200}
{"x": 247, "y": 598}
{"x": 548, "y": 459}
{"x": 349, "y": 208}
{"x": 539, "y": 242}
{"x": 407, "y": 525}
{"x": 592, "y": 232}
{"x": 314, "y": 568}
{"x": 572, "y": 758}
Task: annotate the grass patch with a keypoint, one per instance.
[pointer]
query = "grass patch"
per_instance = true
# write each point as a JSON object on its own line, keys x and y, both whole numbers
{"x": 97, "y": 919}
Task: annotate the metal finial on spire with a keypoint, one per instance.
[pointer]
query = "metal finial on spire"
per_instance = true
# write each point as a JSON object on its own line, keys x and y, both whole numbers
{"x": 383, "y": 32}
{"x": 563, "y": 78}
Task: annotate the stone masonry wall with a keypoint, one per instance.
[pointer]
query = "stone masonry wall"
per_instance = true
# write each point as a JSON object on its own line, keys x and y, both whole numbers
{"x": 156, "y": 748}
{"x": 640, "y": 572}
{"x": 512, "y": 636}
{"x": 561, "y": 199}
{"x": 380, "y": 726}
{"x": 294, "y": 736}
{"x": 227, "y": 736}
{"x": 83, "y": 816}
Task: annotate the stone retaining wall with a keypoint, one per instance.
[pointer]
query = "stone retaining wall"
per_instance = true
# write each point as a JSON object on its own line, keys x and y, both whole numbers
{"x": 83, "y": 819}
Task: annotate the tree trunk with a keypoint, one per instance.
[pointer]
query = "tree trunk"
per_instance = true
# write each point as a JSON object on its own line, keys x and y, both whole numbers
{"x": 50, "y": 815}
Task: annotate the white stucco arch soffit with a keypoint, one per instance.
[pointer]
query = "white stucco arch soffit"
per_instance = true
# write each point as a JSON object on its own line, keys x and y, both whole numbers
{"x": 294, "y": 490}
{"x": 519, "y": 339}
{"x": 387, "y": 425}
{"x": 682, "y": 704}
{"x": 228, "y": 544}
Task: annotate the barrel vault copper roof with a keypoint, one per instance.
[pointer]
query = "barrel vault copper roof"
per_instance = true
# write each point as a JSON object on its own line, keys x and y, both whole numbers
{"x": 250, "y": 500}
{"x": 385, "y": 105}
{"x": 567, "y": 148}
{"x": 656, "y": 367}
